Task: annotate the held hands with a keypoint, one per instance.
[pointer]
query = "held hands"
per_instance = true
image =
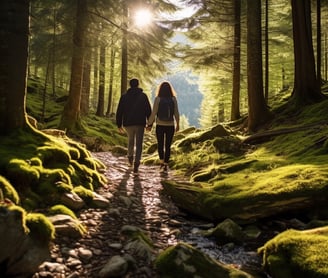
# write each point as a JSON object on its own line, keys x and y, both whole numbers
{"x": 121, "y": 130}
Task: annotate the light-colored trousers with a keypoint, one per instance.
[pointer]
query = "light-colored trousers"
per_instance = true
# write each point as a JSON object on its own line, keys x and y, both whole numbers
{"x": 135, "y": 139}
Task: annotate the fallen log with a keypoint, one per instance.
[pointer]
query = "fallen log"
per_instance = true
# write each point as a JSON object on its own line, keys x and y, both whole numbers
{"x": 267, "y": 135}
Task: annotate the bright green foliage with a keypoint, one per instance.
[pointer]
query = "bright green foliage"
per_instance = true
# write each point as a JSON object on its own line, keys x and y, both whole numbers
{"x": 52, "y": 155}
{"x": 40, "y": 227}
{"x": 84, "y": 193}
{"x": 35, "y": 225}
{"x": 61, "y": 209}
{"x": 21, "y": 173}
{"x": 52, "y": 184}
{"x": 8, "y": 191}
{"x": 20, "y": 215}
{"x": 96, "y": 128}
{"x": 40, "y": 167}
{"x": 251, "y": 182}
{"x": 297, "y": 254}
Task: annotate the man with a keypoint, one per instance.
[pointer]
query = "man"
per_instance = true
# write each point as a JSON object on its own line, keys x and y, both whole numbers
{"x": 132, "y": 115}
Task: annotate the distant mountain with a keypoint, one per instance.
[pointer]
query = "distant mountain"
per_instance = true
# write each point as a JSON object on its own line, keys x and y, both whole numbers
{"x": 188, "y": 95}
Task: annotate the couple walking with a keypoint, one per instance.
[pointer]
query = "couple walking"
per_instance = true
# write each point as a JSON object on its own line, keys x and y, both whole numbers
{"x": 134, "y": 114}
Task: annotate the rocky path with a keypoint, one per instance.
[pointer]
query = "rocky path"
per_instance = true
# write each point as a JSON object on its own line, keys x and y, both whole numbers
{"x": 134, "y": 200}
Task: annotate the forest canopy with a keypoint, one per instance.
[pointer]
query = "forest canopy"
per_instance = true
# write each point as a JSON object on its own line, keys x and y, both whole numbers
{"x": 203, "y": 44}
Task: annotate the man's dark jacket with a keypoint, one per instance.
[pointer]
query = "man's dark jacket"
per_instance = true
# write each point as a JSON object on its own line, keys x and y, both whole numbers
{"x": 133, "y": 108}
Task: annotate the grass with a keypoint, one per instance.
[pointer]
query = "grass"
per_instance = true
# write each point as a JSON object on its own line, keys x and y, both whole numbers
{"x": 101, "y": 129}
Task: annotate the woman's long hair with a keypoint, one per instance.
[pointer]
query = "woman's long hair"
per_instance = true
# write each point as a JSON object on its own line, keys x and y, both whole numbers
{"x": 165, "y": 89}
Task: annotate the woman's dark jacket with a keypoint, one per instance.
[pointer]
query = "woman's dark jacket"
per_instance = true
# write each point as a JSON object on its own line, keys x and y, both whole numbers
{"x": 133, "y": 108}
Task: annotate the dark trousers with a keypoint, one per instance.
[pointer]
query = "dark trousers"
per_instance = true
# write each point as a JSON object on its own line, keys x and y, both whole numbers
{"x": 164, "y": 135}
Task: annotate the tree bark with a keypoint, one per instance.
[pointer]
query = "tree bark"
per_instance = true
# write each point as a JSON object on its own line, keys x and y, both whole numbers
{"x": 111, "y": 79}
{"x": 95, "y": 76}
{"x": 306, "y": 88}
{"x": 269, "y": 134}
{"x": 14, "y": 26}
{"x": 101, "y": 91}
{"x": 258, "y": 113}
{"x": 266, "y": 43}
{"x": 193, "y": 198}
{"x": 124, "y": 61}
{"x": 71, "y": 115}
{"x": 319, "y": 56}
{"x": 86, "y": 83}
{"x": 235, "y": 102}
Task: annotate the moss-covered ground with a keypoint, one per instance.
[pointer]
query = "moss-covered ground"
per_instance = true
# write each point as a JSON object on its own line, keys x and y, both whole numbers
{"x": 228, "y": 178}
{"x": 244, "y": 181}
{"x": 37, "y": 168}
{"x": 286, "y": 172}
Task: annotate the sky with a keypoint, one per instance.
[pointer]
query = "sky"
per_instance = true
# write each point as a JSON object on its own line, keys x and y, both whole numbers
{"x": 185, "y": 11}
{"x": 144, "y": 17}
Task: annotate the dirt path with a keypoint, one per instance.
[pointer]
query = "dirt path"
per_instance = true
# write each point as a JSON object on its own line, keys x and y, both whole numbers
{"x": 136, "y": 201}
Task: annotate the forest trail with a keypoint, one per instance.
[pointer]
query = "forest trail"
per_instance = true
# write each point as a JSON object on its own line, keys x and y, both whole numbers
{"x": 135, "y": 200}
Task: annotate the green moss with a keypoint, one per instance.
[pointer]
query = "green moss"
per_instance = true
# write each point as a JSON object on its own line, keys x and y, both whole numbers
{"x": 74, "y": 153}
{"x": 32, "y": 202}
{"x": 52, "y": 155}
{"x": 84, "y": 153}
{"x": 183, "y": 260}
{"x": 35, "y": 161}
{"x": 19, "y": 213}
{"x": 61, "y": 209}
{"x": 84, "y": 193}
{"x": 135, "y": 233}
{"x": 88, "y": 177}
{"x": 8, "y": 191}
{"x": 40, "y": 227}
{"x": 299, "y": 253}
{"x": 104, "y": 129}
{"x": 63, "y": 187}
{"x": 52, "y": 180}
{"x": 21, "y": 173}
{"x": 204, "y": 174}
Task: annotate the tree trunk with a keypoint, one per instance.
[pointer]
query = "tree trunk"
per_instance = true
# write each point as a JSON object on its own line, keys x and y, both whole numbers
{"x": 14, "y": 26}
{"x": 53, "y": 54}
{"x": 221, "y": 118}
{"x": 196, "y": 200}
{"x": 306, "y": 89}
{"x": 235, "y": 102}
{"x": 258, "y": 112}
{"x": 319, "y": 57}
{"x": 124, "y": 66}
{"x": 95, "y": 77}
{"x": 85, "y": 96}
{"x": 71, "y": 115}
{"x": 101, "y": 91}
{"x": 266, "y": 41}
{"x": 111, "y": 79}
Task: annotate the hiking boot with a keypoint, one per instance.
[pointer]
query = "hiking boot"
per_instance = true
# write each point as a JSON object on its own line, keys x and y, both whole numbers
{"x": 161, "y": 167}
{"x": 136, "y": 168}
{"x": 165, "y": 167}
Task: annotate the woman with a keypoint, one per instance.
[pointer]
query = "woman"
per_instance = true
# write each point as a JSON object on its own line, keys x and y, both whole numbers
{"x": 165, "y": 103}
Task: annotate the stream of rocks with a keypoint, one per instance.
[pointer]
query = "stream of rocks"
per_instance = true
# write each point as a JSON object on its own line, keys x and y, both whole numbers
{"x": 137, "y": 200}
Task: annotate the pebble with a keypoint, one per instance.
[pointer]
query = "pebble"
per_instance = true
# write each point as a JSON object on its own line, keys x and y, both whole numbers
{"x": 134, "y": 201}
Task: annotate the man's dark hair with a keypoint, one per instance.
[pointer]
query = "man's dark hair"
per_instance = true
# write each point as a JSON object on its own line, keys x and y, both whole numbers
{"x": 134, "y": 83}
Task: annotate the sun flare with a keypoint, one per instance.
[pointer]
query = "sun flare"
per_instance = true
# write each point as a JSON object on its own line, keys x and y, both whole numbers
{"x": 143, "y": 17}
